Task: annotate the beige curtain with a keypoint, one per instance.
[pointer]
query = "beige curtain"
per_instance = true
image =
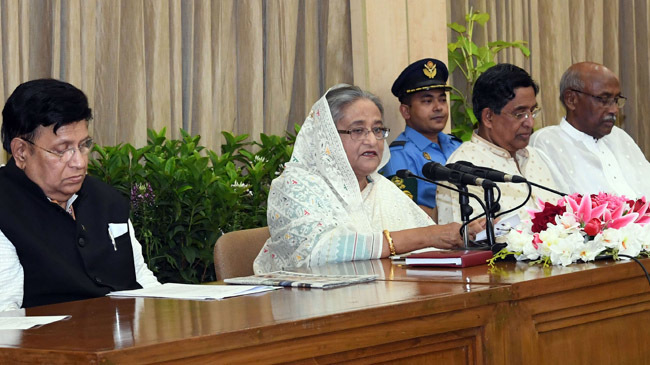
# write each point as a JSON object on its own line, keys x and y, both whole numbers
{"x": 245, "y": 66}
{"x": 562, "y": 32}
{"x": 253, "y": 66}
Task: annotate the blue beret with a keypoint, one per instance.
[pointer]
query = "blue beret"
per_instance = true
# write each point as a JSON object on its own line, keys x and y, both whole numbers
{"x": 425, "y": 74}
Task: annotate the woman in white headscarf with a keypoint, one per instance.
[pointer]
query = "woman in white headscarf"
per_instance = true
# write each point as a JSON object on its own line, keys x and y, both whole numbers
{"x": 331, "y": 205}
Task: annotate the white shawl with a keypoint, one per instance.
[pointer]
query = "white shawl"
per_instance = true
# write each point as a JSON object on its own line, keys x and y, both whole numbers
{"x": 316, "y": 211}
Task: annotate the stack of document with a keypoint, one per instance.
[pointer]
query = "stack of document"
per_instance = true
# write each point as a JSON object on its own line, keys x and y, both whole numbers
{"x": 192, "y": 291}
{"x": 301, "y": 280}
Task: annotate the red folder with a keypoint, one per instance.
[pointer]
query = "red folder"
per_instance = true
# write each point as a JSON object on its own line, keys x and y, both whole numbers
{"x": 451, "y": 258}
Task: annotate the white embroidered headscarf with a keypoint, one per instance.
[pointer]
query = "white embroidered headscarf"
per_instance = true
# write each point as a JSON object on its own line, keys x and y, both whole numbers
{"x": 316, "y": 211}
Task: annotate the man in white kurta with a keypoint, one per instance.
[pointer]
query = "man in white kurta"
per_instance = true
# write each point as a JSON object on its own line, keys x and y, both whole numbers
{"x": 526, "y": 162}
{"x": 504, "y": 101}
{"x": 586, "y": 151}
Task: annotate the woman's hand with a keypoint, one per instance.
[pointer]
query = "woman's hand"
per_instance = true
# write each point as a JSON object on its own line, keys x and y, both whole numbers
{"x": 448, "y": 236}
{"x": 443, "y": 236}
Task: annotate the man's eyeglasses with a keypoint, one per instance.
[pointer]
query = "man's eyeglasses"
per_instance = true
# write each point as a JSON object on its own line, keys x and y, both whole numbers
{"x": 66, "y": 155}
{"x": 360, "y": 133}
{"x": 521, "y": 116}
{"x": 619, "y": 100}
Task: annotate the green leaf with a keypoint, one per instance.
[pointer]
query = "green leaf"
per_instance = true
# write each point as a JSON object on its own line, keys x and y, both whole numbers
{"x": 485, "y": 66}
{"x": 472, "y": 117}
{"x": 457, "y": 27}
{"x": 480, "y": 18}
{"x": 523, "y": 49}
{"x": 184, "y": 188}
{"x": 455, "y": 59}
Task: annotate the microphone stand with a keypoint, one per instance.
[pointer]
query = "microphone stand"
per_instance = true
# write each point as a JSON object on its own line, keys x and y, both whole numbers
{"x": 491, "y": 209}
{"x": 463, "y": 197}
{"x": 465, "y": 211}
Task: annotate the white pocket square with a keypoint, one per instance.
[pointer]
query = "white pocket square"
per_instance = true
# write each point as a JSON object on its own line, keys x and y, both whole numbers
{"x": 117, "y": 229}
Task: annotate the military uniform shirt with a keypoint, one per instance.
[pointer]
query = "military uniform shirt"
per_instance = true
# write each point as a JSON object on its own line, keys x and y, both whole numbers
{"x": 411, "y": 150}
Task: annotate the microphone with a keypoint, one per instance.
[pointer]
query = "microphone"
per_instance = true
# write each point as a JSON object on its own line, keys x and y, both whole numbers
{"x": 495, "y": 175}
{"x": 436, "y": 171}
{"x": 485, "y": 172}
{"x": 463, "y": 197}
{"x": 405, "y": 174}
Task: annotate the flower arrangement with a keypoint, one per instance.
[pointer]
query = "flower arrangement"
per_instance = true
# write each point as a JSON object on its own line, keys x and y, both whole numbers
{"x": 581, "y": 228}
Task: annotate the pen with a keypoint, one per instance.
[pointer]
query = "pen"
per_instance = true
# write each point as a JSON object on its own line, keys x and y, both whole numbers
{"x": 110, "y": 234}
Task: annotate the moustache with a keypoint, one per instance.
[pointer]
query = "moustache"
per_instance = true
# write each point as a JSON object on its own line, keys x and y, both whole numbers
{"x": 610, "y": 118}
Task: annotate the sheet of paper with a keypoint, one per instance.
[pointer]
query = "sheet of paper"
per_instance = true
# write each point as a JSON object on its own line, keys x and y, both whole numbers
{"x": 23, "y": 323}
{"x": 402, "y": 256}
{"x": 192, "y": 291}
{"x": 501, "y": 227}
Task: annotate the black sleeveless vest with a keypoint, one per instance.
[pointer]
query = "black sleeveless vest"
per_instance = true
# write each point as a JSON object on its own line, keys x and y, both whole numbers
{"x": 65, "y": 259}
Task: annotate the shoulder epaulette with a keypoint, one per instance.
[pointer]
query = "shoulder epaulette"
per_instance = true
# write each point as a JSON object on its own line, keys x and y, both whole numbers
{"x": 454, "y": 138}
{"x": 397, "y": 144}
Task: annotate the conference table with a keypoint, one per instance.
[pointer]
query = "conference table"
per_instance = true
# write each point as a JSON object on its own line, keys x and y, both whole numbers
{"x": 513, "y": 313}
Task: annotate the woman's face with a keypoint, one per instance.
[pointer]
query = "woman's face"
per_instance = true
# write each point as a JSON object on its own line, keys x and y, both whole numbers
{"x": 364, "y": 153}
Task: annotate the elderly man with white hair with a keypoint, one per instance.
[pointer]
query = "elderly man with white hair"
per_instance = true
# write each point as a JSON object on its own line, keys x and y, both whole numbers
{"x": 586, "y": 151}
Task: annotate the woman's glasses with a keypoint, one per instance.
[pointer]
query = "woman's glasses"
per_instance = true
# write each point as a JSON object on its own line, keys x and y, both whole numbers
{"x": 361, "y": 133}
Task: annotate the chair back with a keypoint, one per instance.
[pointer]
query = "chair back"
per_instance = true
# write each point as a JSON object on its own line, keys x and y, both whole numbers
{"x": 235, "y": 252}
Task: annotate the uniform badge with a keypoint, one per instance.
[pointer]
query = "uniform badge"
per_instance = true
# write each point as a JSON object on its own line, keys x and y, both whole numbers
{"x": 398, "y": 182}
{"x": 426, "y": 155}
{"x": 408, "y": 186}
{"x": 430, "y": 69}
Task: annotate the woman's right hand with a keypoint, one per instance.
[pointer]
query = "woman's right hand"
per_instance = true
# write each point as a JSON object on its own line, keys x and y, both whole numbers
{"x": 445, "y": 236}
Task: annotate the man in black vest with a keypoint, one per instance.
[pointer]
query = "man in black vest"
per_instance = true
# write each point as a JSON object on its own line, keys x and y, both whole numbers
{"x": 63, "y": 235}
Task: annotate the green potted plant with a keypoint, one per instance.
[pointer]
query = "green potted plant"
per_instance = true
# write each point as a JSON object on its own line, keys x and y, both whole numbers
{"x": 184, "y": 196}
{"x": 471, "y": 60}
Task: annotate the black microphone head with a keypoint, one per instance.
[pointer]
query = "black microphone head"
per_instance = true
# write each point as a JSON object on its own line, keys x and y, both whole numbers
{"x": 403, "y": 174}
{"x": 435, "y": 171}
{"x": 466, "y": 163}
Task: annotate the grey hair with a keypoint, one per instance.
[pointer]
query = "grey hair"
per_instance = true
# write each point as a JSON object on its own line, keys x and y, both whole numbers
{"x": 342, "y": 95}
{"x": 570, "y": 80}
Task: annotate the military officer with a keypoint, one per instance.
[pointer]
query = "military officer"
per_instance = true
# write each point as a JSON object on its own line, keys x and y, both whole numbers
{"x": 421, "y": 90}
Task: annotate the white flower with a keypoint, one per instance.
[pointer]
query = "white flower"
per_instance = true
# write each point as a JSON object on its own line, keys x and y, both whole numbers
{"x": 565, "y": 250}
{"x": 259, "y": 159}
{"x": 550, "y": 237}
{"x": 238, "y": 184}
{"x": 644, "y": 237}
{"x": 517, "y": 240}
{"x": 631, "y": 243}
{"x": 590, "y": 250}
{"x": 568, "y": 221}
{"x": 529, "y": 252}
{"x": 609, "y": 238}
{"x": 280, "y": 169}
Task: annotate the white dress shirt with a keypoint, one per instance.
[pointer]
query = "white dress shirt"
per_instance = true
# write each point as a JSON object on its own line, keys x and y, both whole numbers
{"x": 12, "y": 277}
{"x": 612, "y": 164}
{"x": 526, "y": 163}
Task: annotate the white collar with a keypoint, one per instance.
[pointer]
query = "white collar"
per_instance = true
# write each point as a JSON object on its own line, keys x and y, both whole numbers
{"x": 576, "y": 134}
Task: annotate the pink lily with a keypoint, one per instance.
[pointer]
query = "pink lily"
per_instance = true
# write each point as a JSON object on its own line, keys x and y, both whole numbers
{"x": 585, "y": 212}
{"x": 618, "y": 220}
{"x": 622, "y": 221}
{"x": 644, "y": 215}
